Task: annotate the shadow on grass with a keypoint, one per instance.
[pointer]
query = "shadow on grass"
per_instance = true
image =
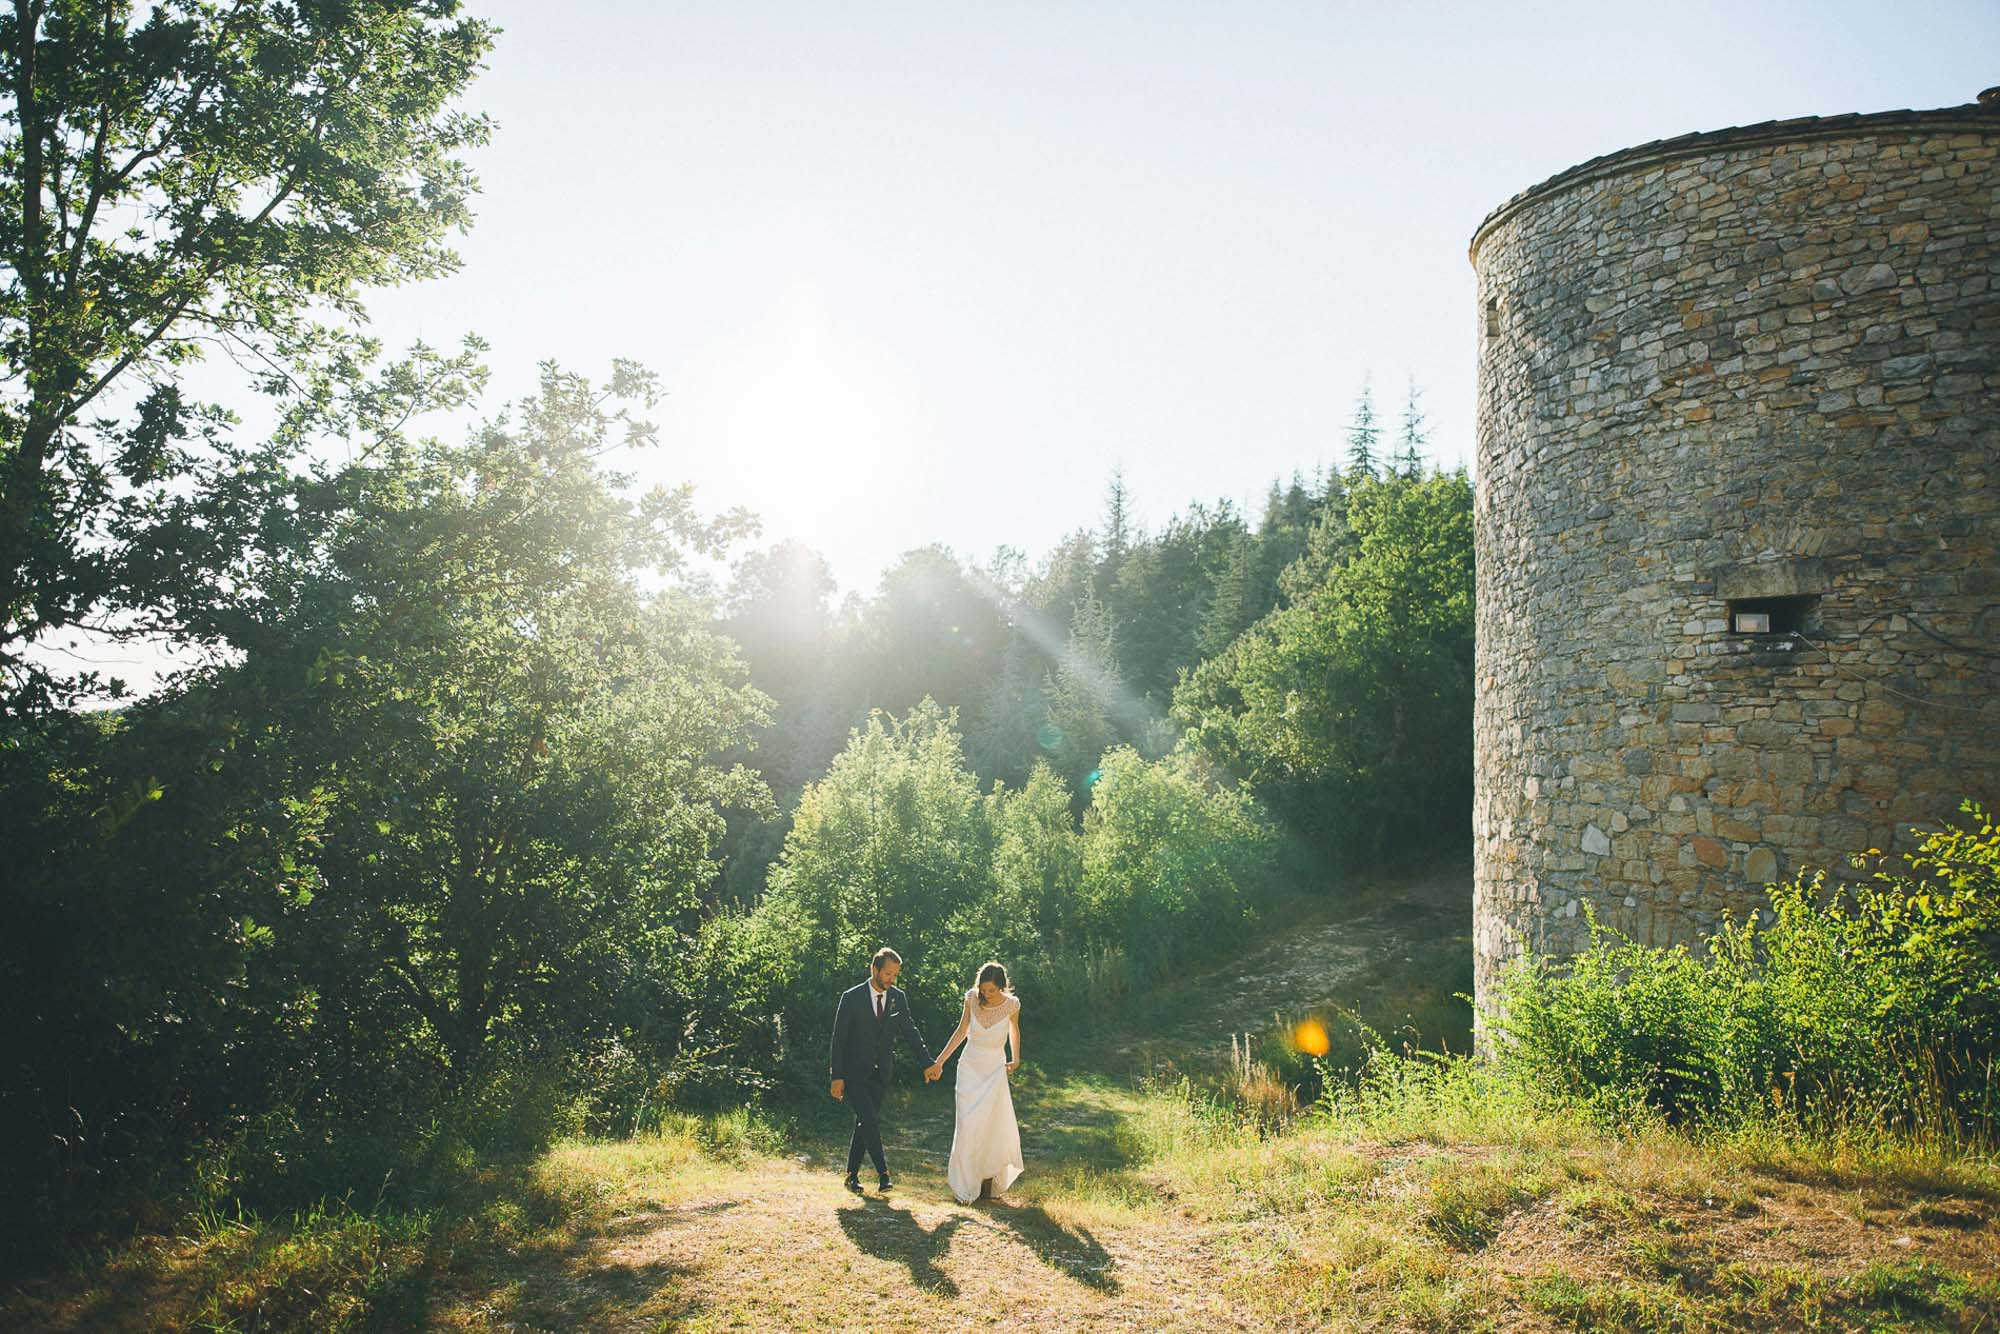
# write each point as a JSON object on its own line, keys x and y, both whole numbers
{"x": 577, "y": 1291}
{"x": 1071, "y": 1251}
{"x": 880, "y": 1229}
{"x": 499, "y": 1239}
{"x": 1075, "y": 1120}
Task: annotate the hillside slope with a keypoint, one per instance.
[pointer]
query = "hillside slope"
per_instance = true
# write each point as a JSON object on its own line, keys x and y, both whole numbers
{"x": 1138, "y": 1210}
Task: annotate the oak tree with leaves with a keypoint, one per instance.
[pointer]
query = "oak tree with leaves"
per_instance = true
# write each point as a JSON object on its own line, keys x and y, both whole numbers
{"x": 178, "y": 180}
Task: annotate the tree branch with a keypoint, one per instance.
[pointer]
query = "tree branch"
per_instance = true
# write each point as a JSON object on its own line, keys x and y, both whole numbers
{"x": 196, "y": 288}
{"x": 87, "y": 218}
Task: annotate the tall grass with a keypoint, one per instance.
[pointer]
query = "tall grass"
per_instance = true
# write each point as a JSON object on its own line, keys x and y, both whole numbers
{"x": 379, "y": 1257}
{"x": 1870, "y": 1007}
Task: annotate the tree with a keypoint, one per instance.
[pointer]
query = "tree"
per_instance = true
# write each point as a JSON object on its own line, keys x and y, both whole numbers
{"x": 453, "y": 798}
{"x": 516, "y": 743}
{"x": 1282, "y": 535}
{"x": 1412, "y": 437}
{"x": 1171, "y": 862}
{"x": 1063, "y": 576}
{"x": 1117, "y": 531}
{"x": 1350, "y": 710}
{"x": 781, "y": 617}
{"x": 930, "y": 630}
{"x": 1363, "y": 436}
{"x": 1151, "y": 614}
{"x": 779, "y": 612}
{"x": 1086, "y": 695}
{"x": 1007, "y": 733}
{"x": 890, "y": 847}
{"x": 1328, "y": 542}
{"x": 1236, "y": 599}
{"x": 1038, "y": 857}
{"x": 1165, "y": 590}
{"x": 203, "y": 178}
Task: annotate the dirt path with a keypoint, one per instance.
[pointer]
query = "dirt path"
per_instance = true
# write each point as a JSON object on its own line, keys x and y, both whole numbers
{"x": 784, "y": 1246}
{"x": 1313, "y": 962}
{"x": 1127, "y": 1219}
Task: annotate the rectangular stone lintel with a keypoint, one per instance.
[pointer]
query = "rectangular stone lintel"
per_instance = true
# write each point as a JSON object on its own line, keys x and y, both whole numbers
{"x": 1772, "y": 579}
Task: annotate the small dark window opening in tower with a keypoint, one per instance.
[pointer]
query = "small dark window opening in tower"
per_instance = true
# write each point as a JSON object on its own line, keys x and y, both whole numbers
{"x": 1492, "y": 316}
{"x": 1769, "y": 616}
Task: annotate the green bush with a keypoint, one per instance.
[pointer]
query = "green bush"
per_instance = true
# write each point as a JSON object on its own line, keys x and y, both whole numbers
{"x": 896, "y": 846}
{"x": 1873, "y": 1006}
{"x": 1348, "y": 708}
{"x": 891, "y": 847}
{"x": 1173, "y": 863}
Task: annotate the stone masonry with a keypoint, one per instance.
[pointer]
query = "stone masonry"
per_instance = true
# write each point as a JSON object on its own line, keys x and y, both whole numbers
{"x": 1754, "y": 370}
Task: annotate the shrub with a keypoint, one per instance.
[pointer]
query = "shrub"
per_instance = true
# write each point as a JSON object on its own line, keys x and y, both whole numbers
{"x": 1872, "y": 1006}
{"x": 891, "y": 847}
{"x": 1172, "y": 862}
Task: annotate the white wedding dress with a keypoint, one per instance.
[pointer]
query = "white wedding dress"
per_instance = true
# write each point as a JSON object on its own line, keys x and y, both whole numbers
{"x": 985, "y": 1141}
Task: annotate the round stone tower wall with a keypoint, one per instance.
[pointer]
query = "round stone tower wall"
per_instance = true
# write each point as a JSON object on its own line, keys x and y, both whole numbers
{"x": 1755, "y": 372}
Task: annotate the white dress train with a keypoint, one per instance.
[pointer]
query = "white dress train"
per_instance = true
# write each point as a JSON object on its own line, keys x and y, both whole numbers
{"x": 985, "y": 1140}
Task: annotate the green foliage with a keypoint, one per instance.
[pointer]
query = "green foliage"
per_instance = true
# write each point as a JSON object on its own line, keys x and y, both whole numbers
{"x": 1621, "y": 1030}
{"x": 1349, "y": 710}
{"x": 1871, "y": 1007}
{"x": 1363, "y": 439}
{"x": 929, "y": 633}
{"x": 514, "y": 740}
{"x": 446, "y": 817}
{"x": 891, "y": 847}
{"x": 1056, "y": 662}
{"x": 179, "y": 178}
{"x": 1409, "y": 459}
{"x": 1010, "y": 728}
{"x": 1038, "y": 857}
{"x": 1086, "y": 697}
{"x": 1172, "y": 863}
{"x": 895, "y": 846}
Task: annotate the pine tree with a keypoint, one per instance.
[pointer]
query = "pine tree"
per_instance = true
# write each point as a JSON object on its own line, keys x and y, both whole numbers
{"x": 1362, "y": 437}
{"x": 1063, "y": 576}
{"x": 1414, "y": 436}
{"x": 1328, "y": 543}
{"x": 1117, "y": 526}
{"x": 1005, "y": 735}
{"x": 1235, "y": 601}
{"x": 1084, "y": 694}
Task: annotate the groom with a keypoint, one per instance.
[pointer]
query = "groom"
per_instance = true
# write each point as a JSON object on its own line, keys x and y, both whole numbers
{"x": 865, "y": 1026}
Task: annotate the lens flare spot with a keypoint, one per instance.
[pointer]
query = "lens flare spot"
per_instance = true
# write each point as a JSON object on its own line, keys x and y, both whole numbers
{"x": 1310, "y": 1037}
{"x": 1090, "y": 779}
{"x": 1049, "y": 735}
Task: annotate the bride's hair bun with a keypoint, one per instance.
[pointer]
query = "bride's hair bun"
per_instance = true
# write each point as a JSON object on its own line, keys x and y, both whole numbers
{"x": 992, "y": 971}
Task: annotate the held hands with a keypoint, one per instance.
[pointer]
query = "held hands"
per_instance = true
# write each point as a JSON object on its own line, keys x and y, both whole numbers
{"x": 933, "y": 1071}
{"x": 839, "y": 1089}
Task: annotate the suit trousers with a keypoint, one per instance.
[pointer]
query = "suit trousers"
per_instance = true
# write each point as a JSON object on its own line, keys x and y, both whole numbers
{"x": 864, "y": 1097}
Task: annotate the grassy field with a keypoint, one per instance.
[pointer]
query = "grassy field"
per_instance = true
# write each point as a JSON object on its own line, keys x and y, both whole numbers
{"x": 1147, "y": 1204}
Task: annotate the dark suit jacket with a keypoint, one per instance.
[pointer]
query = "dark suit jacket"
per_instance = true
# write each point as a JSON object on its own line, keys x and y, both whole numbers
{"x": 861, "y": 1042}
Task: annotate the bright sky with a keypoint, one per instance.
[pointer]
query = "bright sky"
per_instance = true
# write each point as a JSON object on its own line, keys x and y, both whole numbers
{"x": 929, "y": 272}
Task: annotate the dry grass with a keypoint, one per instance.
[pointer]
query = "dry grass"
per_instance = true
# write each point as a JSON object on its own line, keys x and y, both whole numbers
{"x": 1148, "y": 1205}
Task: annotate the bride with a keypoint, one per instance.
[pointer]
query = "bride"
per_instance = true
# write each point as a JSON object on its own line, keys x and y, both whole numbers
{"x": 985, "y": 1141}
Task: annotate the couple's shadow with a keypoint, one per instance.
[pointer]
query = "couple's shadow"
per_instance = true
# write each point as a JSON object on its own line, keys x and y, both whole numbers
{"x": 887, "y": 1232}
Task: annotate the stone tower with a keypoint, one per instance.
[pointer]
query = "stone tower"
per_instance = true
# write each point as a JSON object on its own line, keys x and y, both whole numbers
{"x": 1737, "y": 508}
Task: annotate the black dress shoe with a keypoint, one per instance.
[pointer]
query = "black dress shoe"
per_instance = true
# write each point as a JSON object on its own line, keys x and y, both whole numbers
{"x": 854, "y": 1184}
{"x": 884, "y": 1184}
